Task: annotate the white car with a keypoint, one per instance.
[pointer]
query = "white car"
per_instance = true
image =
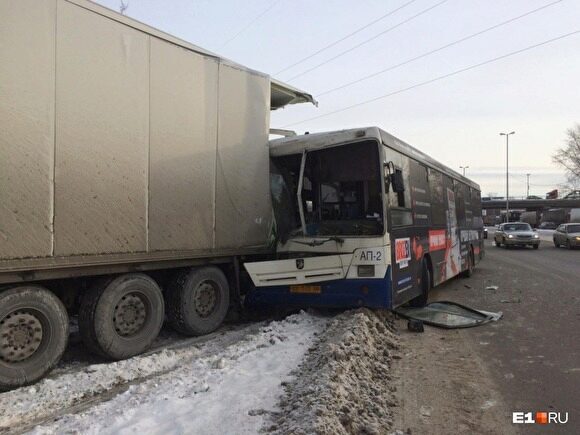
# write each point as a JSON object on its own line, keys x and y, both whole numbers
{"x": 516, "y": 234}
{"x": 567, "y": 235}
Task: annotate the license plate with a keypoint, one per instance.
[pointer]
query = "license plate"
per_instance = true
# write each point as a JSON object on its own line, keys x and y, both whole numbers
{"x": 305, "y": 289}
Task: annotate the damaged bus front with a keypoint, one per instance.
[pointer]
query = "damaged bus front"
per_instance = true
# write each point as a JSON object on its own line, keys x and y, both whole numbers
{"x": 353, "y": 224}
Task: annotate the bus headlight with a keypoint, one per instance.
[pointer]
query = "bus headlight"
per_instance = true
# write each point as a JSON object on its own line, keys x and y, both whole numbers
{"x": 366, "y": 270}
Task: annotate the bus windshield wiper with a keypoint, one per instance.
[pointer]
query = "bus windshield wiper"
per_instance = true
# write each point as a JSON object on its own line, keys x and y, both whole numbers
{"x": 316, "y": 242}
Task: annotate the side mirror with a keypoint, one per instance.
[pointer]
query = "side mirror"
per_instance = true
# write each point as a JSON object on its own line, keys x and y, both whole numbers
{"x": 397, "y": 181}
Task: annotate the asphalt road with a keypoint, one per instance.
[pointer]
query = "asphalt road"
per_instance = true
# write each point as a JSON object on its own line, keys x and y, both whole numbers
{"x": 533, "y": 352}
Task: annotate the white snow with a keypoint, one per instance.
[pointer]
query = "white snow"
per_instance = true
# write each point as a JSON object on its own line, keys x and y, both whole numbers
{"x": 546, "y": 235}
{"x": 62, "y": 390}
{"x": 228, "y": 391}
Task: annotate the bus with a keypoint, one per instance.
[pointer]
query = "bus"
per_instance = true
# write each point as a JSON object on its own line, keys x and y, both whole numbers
{"x": 364, "y": 219}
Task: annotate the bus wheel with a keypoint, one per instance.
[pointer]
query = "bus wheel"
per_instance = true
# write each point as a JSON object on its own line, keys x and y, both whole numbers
{"x": 33, "y": 334}
{"x": 198, "y": 300}
{"x": 470, "y": 265}
{"x": 425, "y": 284}
{"x": 120, "y": 318}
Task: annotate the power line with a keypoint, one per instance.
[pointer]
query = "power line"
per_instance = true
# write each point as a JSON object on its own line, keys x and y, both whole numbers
{"x": 426, "y": 82}
{"x": 428, "y": 53}
{"x": 424, "y": 11}
{"x": 251, "y": 23}
{"x": 360, "y": 29}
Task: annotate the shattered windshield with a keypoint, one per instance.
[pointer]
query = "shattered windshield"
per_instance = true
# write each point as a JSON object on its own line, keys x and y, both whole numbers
{"x": 341, "y": 190}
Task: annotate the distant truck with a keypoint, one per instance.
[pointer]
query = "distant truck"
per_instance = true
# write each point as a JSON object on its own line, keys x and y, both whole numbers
{"x": 574, "y": 215}
{"x": 531, "y": 217}
{"x": 556, "y": 216}
{"x": 134, "y": 180}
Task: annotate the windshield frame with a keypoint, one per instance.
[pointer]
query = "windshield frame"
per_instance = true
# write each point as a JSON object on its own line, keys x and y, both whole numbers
{"x": 381, "y": 180}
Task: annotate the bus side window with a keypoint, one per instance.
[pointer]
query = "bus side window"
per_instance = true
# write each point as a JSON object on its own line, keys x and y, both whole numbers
{"x": 438, "y": 200}
{"x": 459, "y": 189}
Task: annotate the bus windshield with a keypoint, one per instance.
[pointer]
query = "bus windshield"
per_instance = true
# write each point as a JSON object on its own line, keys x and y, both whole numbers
{"x": 341, "y": 190}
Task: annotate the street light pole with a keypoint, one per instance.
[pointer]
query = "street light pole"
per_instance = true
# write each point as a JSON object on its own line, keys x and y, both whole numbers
{"x": 507, "y": 174}
{"x": 528, "y": 186}
{"x": 464, "y": 168}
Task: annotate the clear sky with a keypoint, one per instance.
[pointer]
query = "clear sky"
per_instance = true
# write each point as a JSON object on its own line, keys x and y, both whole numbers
{"x": 456, "y": 120}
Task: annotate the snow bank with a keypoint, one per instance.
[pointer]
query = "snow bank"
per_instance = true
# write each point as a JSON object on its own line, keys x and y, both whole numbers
{"x": 227, "y": 392}
{"x": 344, "y": 384}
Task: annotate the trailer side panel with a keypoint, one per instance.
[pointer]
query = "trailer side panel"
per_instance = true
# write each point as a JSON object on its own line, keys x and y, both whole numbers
{"x": 184, "y": 93}
{"x": 102, "y": 134}
{"x": 243, "y": 210}
{"x": 27, "y": 51}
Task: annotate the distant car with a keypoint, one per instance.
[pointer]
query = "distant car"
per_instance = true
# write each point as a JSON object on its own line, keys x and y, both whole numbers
{"x": 567, "y": 235}
{"x": 533, "y": 197}
{"x": 516, "y": 234}
{"x": 485, "y": 233}
{"x": 547, "y": 226}
{"x": 575, "y": 194}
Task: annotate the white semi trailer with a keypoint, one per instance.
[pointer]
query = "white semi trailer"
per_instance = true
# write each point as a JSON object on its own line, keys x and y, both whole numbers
{"x": 134, "y": 174}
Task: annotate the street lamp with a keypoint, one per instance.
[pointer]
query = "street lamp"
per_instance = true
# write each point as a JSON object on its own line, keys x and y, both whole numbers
{"x": 507, "y": 180}
{"x": 528, "y": 187}
{"x": 464, "y": 168}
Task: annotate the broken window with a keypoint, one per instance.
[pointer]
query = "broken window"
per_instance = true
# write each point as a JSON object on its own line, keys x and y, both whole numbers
{"x": 341, "y": 190}
{"x": 399, "y": 202}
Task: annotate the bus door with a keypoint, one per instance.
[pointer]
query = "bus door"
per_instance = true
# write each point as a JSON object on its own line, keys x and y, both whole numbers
{"x": 400, "y": 225}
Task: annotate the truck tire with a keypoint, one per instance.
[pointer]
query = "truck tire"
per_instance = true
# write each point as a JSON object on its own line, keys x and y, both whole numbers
{"x": 198, "y": 300}
{"x": 34, "y": 329}
{"x": 121, "y": 317}
{"x": 421, "y": 300}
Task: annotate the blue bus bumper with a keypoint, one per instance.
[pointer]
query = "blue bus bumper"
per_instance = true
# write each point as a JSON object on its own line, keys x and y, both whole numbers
{"x": 344, "y": 293}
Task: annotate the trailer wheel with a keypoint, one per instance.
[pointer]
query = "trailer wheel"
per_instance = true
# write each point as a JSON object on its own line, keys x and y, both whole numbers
{"x": 121, "y": 317}
{"x": 425, "y": 284}
{"x": 33, "y": 334}
{"x": 198, "y": 300}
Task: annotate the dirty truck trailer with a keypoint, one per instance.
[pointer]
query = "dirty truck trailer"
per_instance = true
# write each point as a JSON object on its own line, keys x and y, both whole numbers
{"x": 123, "y": 150}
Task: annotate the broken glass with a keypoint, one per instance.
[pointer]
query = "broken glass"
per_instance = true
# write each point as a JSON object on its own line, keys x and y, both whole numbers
{"x": 449, "y": 315}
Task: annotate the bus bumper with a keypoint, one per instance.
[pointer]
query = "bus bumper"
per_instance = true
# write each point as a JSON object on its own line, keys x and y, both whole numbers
{"x": 343, "y": 293}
